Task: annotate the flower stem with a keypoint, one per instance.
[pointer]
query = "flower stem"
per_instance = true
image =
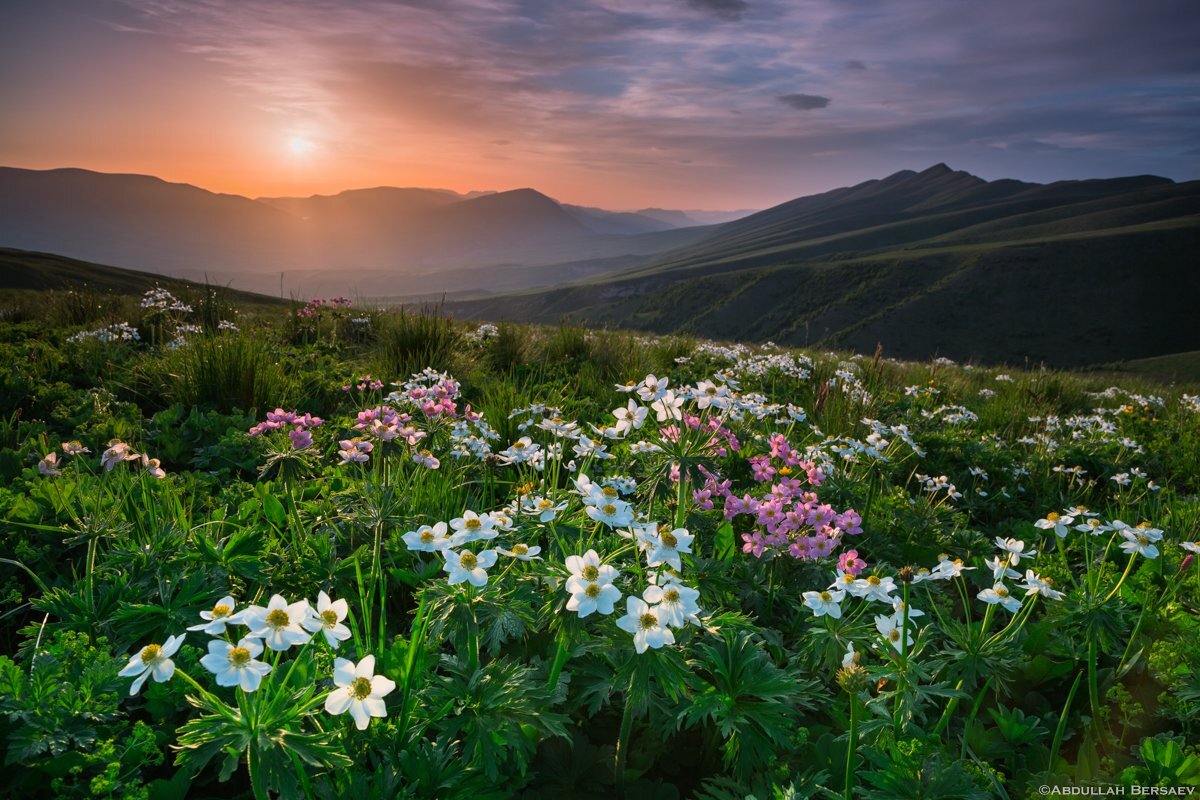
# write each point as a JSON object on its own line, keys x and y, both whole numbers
{"x": 851, "y": 747}
{"x": 624, "y": 735}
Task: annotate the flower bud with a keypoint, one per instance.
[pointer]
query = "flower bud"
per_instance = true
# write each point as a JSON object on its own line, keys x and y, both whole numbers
{"x": 853, "y": 678}
{"x": 905, "y": 575}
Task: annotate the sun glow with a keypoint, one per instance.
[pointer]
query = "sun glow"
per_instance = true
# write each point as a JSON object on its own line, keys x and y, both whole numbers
{"x": 299, "y": 146}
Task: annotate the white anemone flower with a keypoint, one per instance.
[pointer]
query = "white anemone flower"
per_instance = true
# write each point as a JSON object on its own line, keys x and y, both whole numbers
{"x": 631, "y": 417}
{"x": 328, "y": 620}
{"x": 587, "y": 569}
{"x": 236, "y": 665}
{"x": 1138, "y": 542}
{"x": 281, "y": 624}
{"x": 1001, "y": 569}
{"x": 889, "y": 628}
{"x": 675, "y": 603}
{"x": 999, "y": 595}
{"x": 222, "y": 614}
{"x": 851, "y": 658}
{"x": 1038, "y": 585}
{"x": 591, "y": 597}
{"x": 153, "y": 659}
{"x": 542, "y": 508}
{"x": 1191, "y": 547}
{"x": 359, "y": 691}
{"x": 666, "y": 547}
{"x": 613, "y": 513}
{"x": 48, "y": 466}
{"x": 652, "y": 388}
{"x": 521, "y": 552}
{"x": 825, "y": 603}
{"x": 645, "y": 624}
{"x": 427, "y": 538}
{"x": 668, "y": 407}
{"x": 1015, "y": 549}
{"x": 874, "y": 587}
{"x": 1059, "y": 523}
{"x": 468, "y": 566}
{"x": 471, "y": 527}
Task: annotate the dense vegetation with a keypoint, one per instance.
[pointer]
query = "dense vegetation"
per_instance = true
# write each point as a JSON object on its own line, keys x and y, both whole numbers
{"x": 326, "y": 552}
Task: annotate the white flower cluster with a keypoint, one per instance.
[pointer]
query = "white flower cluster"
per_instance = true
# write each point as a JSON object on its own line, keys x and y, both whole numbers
{"x": 159, "y": 299}
{"x": 482, "y": 333}
{"x": 120, "y": 332}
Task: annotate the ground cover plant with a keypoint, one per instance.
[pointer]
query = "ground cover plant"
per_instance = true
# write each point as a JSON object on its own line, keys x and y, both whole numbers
{"x": 327, "y": 552}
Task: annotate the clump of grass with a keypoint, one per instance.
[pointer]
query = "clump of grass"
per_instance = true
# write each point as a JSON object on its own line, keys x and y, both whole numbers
{"x": 568, "y": 342}
{"x": 409, "y": 341}
{"x": 224, "y": 372}
{"x": 509, "y": 349}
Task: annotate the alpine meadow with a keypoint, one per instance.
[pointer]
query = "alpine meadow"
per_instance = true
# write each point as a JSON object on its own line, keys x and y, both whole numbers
{"x": 550, "y": 399}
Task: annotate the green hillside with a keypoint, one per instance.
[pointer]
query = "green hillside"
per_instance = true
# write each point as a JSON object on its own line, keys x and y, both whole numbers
{"x": 933, "y": 263}
{"x": 22, "y": 270}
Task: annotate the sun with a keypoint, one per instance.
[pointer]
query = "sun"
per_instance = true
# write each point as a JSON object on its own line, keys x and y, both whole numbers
{"x": 299, "y": 146}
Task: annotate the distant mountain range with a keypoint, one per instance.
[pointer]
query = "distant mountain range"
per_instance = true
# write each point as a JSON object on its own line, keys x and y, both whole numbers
{"x": 938, "y": 262}
{"x": 382, "y": 241}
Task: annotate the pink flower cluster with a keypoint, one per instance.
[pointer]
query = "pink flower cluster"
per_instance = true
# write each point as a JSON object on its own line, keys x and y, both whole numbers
{"x": 363, "y": 384}
{"x": 792, "y": 518}
{"x": 439, "y": 399}
{"x": 313, "y": 308}
{"x": 720, "y": 444}
{"x": 387, "y": 424}
{"x": 301, "y": 425}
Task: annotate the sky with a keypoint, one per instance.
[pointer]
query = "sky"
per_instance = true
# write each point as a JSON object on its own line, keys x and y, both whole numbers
{"x": 623, "y": 104}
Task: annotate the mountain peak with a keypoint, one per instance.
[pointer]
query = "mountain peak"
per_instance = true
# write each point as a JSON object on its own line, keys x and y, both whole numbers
{"x": 939, "y": 168}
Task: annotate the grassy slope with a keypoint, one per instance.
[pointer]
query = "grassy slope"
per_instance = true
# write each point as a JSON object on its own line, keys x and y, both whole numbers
{"x": 1067, "y": 274}
{"x": 24, "y": 271}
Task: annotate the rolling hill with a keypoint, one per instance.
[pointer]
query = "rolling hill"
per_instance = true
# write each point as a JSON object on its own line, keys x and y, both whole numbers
{"x": 938, "y": 262}
{"x": 380, "y": 241}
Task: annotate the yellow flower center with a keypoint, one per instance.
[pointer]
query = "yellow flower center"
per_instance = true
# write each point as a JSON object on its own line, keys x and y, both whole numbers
{"x": 360, "y": 689}
{"x": 1143, "y": 540}
{"x": 893, "y": 636}
{"x": 239, "y": 656}
{"x": 711, "y": 390}
{"x": 590, "y": 572}
{"x": 220, "y": 611}
{"x": 1052, "y": 516}
{"x": 1002, "y": 592}
{"x": 544, "y": 504}
{"x": 278, "y": 618}
{"x": 150, "y": 653}
{"x": 669, "y": 539}
{"x": 610, "y": 492}
{"x": 472, "y": 524}
{"x": 592, "y": 590}
{"x": 609, "y": 509}
{"x": 518, "y": 445}
{"x": 874, "y": 580}
{"x": 329, "y": 617}
{"x": 426, "y": 536}
{"x": 671, "y": 596}
{"x": 467, "y": 560}
{"x": 648, "y": 622}
{"x": 520, "y": 549}
{"x": 826, "y": 597}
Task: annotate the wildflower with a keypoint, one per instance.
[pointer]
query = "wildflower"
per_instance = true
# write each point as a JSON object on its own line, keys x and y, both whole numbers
{"x": 667, "y": 546}
{"x": 116, "y": 453}
{"x": 889, "y": 629}
{"x": 898, "y": 610}
{"x": 652, "y": 388}
{"x": 1001, "y": 569}
{"x": 471, "y": 527}
{"x": 153, "y": 466}
{"x": 301, "y": 438}
{"x": 522, "y": 552}
{"x": 354, "y": 450}
{"x": 873, "y": 588}
{"x": 1015, "y": 549}
{"x": 999, "y": 595}
{"x": 1093, "y": 526}
{"x": 236, "y": 665}
{"x": 153, "y": 659}
{"x": 426, "y": 459}
{"x": 74, "y": 448}
{"x": 427, "y": 539}
{"x": 1191, "y": 547}
{"x": 675, "y": 603}
{"x": 545, "y": 510}
{"x": 1056, "y": 522}
{"x": 825, "y": 603}
{"x": 849, "y": 562}
{"x": 668, "y": 407}
{"x": 631, "y": 417}
{"x": 851, "y": 658}
{"x": 280, "y": 624}
{"x": 614, "y": 513}
{"x": 1043, "y": 586}
{"x": 359, "y": 691}
{"x": 48, "y": 465}
{"x": 709, "y": 394}
{"x": 587, "y": 568}
{"x": 1136, "y": 541}
{"x": 645, "y": 624}
{"x": 592, "y": 596}
{"x": 328, "y": 620}
{"x": 222, "y": 614}
{"x": 467, "y": 566}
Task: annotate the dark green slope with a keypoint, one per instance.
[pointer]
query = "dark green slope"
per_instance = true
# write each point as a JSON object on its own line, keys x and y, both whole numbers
{"x": 1071, "y": 273}
{"x": 26, "y": 270}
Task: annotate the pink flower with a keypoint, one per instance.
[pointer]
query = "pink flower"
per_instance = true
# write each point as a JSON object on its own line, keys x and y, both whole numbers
{"x": 753, "y": 544}
{"x": 301, "y": 438}
{"x": 850, "y": 563}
